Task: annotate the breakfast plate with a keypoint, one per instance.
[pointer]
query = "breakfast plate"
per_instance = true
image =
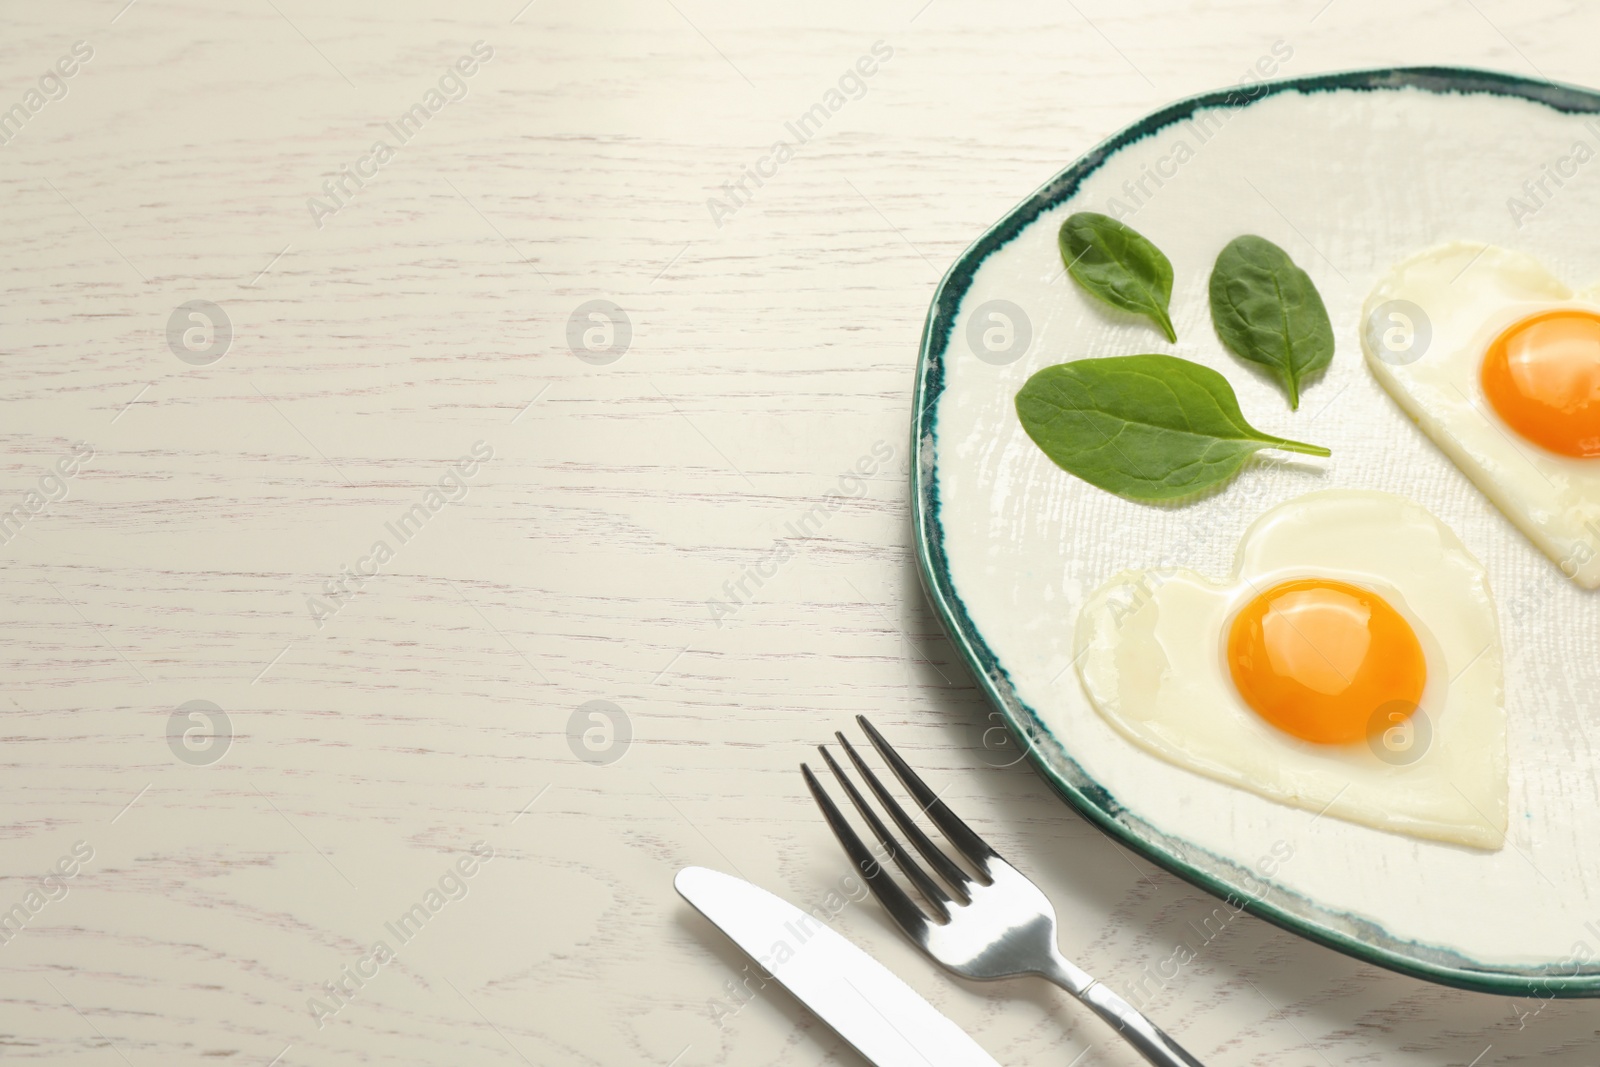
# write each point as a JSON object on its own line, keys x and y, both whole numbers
{"x": 1355, "y": 176}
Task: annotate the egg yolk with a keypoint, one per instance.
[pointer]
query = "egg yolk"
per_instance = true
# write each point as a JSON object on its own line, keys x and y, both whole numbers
{"x": 1542, "y": 376}
{"x": 1318, "y": 658}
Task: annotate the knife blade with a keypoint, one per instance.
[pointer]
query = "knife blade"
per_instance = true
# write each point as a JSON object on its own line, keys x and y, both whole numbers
{"x": 886, "y": 1020}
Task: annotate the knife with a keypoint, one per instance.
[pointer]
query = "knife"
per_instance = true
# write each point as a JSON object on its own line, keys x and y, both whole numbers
{"x": 886, "y": 1020}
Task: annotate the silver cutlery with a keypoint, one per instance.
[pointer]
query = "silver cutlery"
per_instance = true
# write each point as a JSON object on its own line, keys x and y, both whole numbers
{"x": 995, "y": 925}
{"x": 886, "y": 1020}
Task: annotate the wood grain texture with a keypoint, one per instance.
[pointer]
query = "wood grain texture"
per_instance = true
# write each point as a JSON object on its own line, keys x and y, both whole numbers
{"x": 769, "y": 354}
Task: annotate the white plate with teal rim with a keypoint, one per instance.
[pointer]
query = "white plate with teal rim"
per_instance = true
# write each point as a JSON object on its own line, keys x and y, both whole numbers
{"x": 1351, "y": 174}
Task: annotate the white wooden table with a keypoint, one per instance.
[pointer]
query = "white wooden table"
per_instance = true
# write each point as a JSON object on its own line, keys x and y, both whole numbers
{"x": 379, "y": 730}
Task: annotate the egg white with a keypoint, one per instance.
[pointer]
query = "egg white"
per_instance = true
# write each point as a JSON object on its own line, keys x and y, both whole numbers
{"x": 1468, "y": 294}
{"x": 1150, "y": 651}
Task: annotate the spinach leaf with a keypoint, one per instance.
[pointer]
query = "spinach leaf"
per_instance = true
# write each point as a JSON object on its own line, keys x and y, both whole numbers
{"x": 1267, "y": 311}
{"x": 1117, "y": 264}
{"x": 1148, "y": 427}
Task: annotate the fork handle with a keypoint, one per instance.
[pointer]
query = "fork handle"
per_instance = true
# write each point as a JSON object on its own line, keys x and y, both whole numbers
{"x": 1149, "y": 1039}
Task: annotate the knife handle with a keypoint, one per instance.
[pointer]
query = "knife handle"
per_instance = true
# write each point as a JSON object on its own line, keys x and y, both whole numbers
{"x": 1149, "y": 1039}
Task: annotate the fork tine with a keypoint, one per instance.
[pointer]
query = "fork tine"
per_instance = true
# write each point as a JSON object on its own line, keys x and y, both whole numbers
{"x": 930, "y": 890}
{"x": 912, "y": 919}
{"x": 968, "y": 843}
{"x": 953, "y": 875}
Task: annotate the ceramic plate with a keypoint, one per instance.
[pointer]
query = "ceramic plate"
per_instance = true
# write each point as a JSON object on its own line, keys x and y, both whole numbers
{"x": 1351, "y": 174}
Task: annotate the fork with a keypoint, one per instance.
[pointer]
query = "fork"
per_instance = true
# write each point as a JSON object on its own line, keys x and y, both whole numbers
{"x": 998, "y": 925}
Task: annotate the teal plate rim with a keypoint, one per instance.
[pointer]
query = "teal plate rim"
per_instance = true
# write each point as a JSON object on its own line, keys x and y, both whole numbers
{"x": 1296, "y": 913}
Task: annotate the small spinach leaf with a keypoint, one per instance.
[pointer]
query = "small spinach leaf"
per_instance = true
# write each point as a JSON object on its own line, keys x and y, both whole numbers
{"x": 1267, "y": 311}
{"x": 1149, "y": 427}
{"x": 1119, "y": 265}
